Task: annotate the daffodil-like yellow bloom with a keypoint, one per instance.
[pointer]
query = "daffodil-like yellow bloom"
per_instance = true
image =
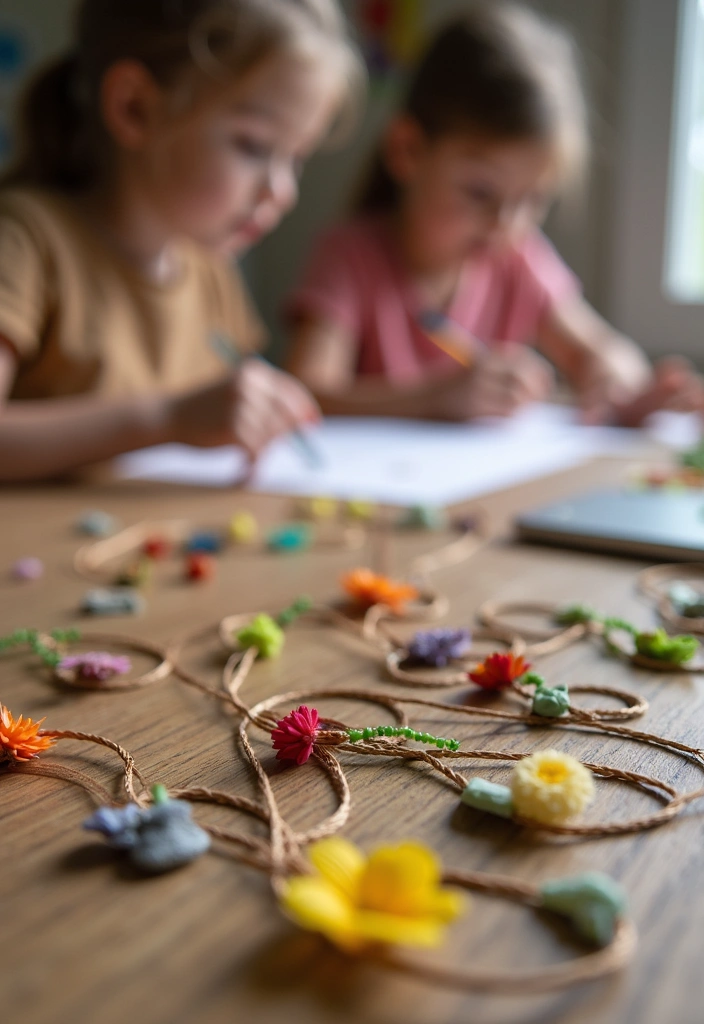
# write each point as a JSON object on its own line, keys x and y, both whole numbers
{"x": 392, "y": 896}
{"x": 551, "y": 787}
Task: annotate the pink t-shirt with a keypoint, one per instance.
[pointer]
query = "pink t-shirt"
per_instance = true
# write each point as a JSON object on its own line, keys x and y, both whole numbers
{"x": 356, "y": 280}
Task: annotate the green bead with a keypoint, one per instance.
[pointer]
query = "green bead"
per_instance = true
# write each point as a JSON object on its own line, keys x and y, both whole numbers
{"x": 367, "y": 734}
{"x": 418, "y": 736}
{"x": 355, "y": 735}
{"x": 160, "y": 794}
{"x": 427, "y": 738}
{"x": 673, "y": 650}
{"x": 489, "y": 796}
{"x": 264, "y": 634}
{"x": 390, "y": 731}
{"x": 381, "y": 730}
{"x": 593, "y": 902}
{"x": 453, "y": 744}
{"x": 440, "y": 743}
{"x": 551, "y": 703}
{"x": 408, "y": 733}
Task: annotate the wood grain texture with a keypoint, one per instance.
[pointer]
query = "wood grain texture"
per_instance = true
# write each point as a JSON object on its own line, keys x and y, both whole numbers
{"x": 84, "y": 941}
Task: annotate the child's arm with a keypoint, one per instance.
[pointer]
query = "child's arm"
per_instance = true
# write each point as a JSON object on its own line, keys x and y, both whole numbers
{"x": 42, "y": 439}
{"x": 322, "y": 356}
{"x": 611, "y": 376}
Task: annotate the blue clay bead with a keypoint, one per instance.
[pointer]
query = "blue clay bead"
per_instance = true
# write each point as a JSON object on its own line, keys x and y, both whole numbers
{"x": 488, "y": 796}
{"x": 97, "y": 524}
{"x": 168, "y": 838}
{"x": 551, "y": 702}
{"x": 121, "y": 601}
{"x": 204, "y": 543}
{"x": 593, "y": 902}
{"x": 295, "y": 537}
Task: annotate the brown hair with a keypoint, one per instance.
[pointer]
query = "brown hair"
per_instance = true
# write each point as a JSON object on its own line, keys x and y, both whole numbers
{"x": 62, "y": 141}
{"x": 502, "y": 71}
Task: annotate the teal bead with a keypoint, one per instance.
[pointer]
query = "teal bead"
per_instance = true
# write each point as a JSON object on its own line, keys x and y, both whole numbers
{"x": 593, "y": 903}
{"x": 489, "y": 796}
{"x": 551, "y": 703}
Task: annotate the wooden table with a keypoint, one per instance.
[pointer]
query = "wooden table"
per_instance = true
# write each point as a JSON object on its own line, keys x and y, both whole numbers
{"x": 84, "y": 941}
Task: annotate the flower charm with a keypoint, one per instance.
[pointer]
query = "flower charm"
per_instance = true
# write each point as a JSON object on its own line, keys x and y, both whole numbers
{"x": 438, "y": 647}
{"x": 392, "y": 896}
{"x": 264, "y": 634}
{"x": 674, "y": 650}
{"x": 157, "y": 838}
{"x": 295, "y": 735}
{"x": 96, "y": 665}
{"x": 550, "y": 787}
{"x": 368, "y": 589}
{"x": 499, "y": 671}
{"x": 21, "y": 738}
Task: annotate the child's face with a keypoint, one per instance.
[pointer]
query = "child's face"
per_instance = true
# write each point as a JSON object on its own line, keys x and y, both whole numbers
{"x": 465, "y": 195}
{"x": 226, "y": 172}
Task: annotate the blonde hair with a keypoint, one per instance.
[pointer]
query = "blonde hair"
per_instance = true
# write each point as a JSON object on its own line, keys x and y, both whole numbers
{"x": 503, "y": 71}
{"x": 62, "y": 140}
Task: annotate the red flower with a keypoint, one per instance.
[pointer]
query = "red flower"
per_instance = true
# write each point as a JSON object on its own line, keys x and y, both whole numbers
{"x": 295, "y": 735}
{"x": 498, "y": 671}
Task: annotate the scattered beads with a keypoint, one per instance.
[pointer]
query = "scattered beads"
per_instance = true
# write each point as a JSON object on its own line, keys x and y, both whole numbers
{"x": 200, "y": 568}
{"x": 26, "y": 570}
{"x": 204, "y": 543}
{"x": 157, "y": 548}
{"x": 355, "y": 735}
{"x": 32, "y": 638}
{"x": 122, "y": 601}
{"x": 244, "y": 528}
{"x": 96, "y": 524}
{"x": 293, "y": 537}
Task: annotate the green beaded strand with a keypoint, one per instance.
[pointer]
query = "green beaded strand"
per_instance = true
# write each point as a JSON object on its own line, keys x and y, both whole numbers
{"x": 372, "y": 732}
{"x": 31, "y": 638}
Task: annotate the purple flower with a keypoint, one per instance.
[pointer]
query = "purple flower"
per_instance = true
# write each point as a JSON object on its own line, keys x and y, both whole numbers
{"x": 96, "y": 665}
{"x": 438, "y": 647}
{"x": 119, "y": 825}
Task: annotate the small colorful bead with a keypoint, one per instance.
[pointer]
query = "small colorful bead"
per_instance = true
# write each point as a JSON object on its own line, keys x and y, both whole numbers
{"x": 593, "y": 902}
{"x": 361, "y": 510}
{"x": 264, "y": 634}
{"x": 204, "y": 543}
{"x": 200, "y": 568}
{"x": 293, "y": 537}
{"x": 487, "y": 796}
{"x": 136, "y": 575}
{"x": 157, "y": 548}
{"x": 122, "y": 601}
{"x": 244, "y": 528}
{"x": 97, "y": 524}
{"x": 424, "y": 517}
{"x": 26, "y": 570}
{"x": 438, "y": 647}
{"x": 96, "y": 665}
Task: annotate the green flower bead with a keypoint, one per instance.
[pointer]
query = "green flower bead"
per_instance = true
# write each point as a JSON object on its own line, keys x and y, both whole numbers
{"x": 551, "y": 702}
{"x": 576, "y": 614}
{"x": 264, "y": 634}
{"x": 593, "y": 902}
{"x": 674, "y": 650}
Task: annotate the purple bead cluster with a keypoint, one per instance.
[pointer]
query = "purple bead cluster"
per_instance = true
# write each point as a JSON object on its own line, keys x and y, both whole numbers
{"x": 96, "y": 665}
{"x": 438, "y": 647}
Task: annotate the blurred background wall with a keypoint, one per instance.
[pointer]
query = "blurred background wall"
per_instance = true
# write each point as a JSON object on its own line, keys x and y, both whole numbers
{"x": 30, "y": 30}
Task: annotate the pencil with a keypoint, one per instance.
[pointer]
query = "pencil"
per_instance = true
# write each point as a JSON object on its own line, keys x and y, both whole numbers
{"x": 432, "y": 324}
{"x": 224, "y": 349}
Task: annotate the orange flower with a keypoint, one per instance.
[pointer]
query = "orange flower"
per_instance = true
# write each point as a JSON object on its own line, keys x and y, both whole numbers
{"x": 20, "y": 738}
{"x": 368, "y": 589}
{"x": 498, "y": 671}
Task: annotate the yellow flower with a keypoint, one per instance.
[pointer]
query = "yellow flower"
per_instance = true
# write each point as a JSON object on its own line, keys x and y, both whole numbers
{"x": 392, "y": 896}
{"x": 550, "y": 787}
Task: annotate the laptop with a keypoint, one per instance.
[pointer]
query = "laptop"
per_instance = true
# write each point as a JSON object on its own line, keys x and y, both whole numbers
{"x": 661, "y": 523}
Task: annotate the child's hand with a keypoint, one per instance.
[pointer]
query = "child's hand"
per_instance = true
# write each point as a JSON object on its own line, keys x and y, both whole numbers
{"x": 249, "y": 408}
{"x": 674, "y": 385}
{"x": 502, "y": 381}
{"x": 610, "y": 379}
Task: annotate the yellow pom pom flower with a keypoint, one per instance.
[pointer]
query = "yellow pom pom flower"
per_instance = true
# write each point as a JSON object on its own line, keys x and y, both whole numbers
{"x": 393, "y": 896}
{"x": 550, "y": 787}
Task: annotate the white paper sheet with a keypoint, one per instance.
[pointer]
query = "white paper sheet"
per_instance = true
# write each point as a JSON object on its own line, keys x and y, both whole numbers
{"x": 406, "y": 462}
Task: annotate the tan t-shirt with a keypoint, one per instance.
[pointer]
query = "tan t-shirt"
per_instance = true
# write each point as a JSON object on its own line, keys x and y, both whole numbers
{"x": 81, "y": 319}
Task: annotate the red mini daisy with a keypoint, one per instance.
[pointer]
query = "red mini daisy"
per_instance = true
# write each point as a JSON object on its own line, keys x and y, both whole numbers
{"x": 499, "y": 671}
{"x": 295, "y": 735}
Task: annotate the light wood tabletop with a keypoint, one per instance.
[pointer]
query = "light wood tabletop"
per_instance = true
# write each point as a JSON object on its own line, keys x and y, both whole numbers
{"x": 84, "y": 940}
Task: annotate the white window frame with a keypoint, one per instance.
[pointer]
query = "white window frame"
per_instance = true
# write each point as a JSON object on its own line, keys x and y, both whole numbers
{"x": 637, "y": 298}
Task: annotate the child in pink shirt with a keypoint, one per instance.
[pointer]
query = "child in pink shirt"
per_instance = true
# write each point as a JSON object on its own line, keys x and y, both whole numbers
{"x": 436, "y": 299}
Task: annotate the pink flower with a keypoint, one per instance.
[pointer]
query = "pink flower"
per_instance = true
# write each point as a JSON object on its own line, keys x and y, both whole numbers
{"x": 96, "y": 665}
{"x": 295, "y": 735}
